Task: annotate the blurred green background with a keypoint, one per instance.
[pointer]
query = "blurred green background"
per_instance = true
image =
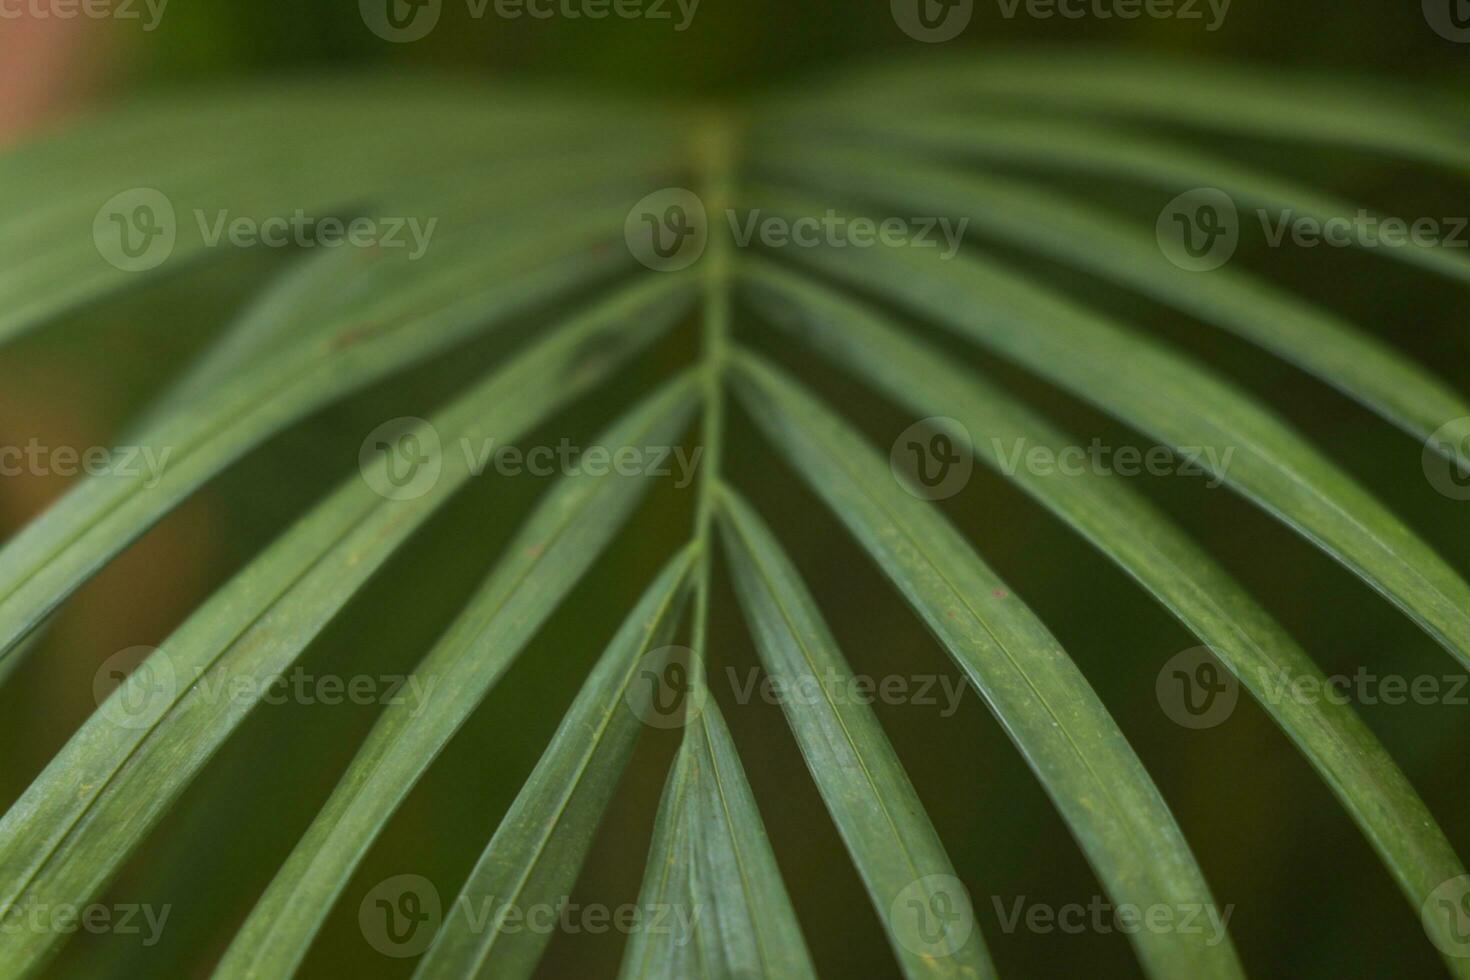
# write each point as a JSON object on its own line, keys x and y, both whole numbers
{"x": 1310, "y": 898}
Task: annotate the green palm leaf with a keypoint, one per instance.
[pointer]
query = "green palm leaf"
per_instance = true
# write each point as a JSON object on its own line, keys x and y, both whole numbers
{"x": 537, "y": 229}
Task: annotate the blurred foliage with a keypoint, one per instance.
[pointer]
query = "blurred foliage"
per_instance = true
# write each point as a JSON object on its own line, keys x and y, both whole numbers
{"x": 1310, "y": 896}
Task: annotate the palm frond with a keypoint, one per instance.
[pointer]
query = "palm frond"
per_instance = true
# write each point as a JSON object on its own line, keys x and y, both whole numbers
{"x": 547, "y": 240}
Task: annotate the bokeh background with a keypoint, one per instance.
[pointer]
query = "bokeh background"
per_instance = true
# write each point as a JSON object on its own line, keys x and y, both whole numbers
{"x": 1309, "y": 897}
